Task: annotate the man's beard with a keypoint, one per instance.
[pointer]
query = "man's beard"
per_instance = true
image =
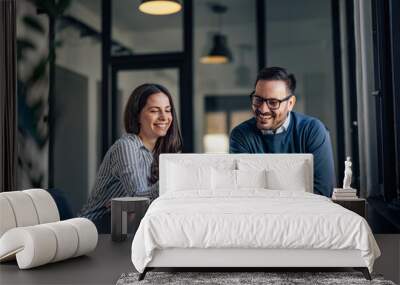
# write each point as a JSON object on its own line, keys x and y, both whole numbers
{"x": 261, "y": 117}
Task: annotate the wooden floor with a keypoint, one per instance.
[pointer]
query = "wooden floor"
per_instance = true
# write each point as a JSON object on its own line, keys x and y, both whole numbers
{"x": 103, "y": 266}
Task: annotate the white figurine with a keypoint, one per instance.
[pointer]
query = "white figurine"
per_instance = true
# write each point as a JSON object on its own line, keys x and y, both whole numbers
{"x": 347, "y": 174}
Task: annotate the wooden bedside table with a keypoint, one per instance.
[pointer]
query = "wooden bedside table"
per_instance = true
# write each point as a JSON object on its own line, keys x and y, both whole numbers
{"x": 358, "y": 205}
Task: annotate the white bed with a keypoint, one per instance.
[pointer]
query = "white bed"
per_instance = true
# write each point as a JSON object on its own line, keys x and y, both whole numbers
{"x": 238, "y": 211}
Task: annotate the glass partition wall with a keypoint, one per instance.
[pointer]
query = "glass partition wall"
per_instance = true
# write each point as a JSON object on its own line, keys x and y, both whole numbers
{"x": 175, "y": 50}
{"x": 299, "y": 38}
{"x": 221, "y": 90}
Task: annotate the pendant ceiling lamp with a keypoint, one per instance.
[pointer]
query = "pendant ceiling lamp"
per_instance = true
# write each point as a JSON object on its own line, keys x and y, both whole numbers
{"x": 160, "y": 7}
{"x": 219, "y": 52}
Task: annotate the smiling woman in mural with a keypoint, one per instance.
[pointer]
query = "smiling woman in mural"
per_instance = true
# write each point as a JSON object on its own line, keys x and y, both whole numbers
{"x": 130, "y": 166}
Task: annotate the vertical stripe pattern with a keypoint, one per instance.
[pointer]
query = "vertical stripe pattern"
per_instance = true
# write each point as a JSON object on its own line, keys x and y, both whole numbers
{"x": 124, "y": 172}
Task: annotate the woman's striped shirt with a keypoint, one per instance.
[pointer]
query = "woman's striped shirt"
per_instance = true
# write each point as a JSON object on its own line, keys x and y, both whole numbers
{"x": 124, "y": 172}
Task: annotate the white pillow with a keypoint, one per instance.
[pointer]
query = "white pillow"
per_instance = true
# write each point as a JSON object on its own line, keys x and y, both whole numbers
{"x": 251, "y": 178}
{"x": 223, "y": 179}
{"x": 292, "y": 179}
{"x": 182, "y": 177}
{"x": 227, "y": 179}
{"x": 290, "y": 172}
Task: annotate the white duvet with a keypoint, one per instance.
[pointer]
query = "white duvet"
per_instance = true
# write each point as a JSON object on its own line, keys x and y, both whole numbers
{"x": 252, "y": 218}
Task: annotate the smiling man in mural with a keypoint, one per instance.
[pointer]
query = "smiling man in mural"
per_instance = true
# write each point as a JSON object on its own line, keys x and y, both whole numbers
{"x": 276, "y": 128}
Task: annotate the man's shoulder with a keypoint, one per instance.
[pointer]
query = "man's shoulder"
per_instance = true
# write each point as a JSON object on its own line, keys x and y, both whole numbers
{"x": 243, "y": 137}
{"x": 308, "y": 123}
{"x": 311, "y": 130}
{"x": 245, "y": 127}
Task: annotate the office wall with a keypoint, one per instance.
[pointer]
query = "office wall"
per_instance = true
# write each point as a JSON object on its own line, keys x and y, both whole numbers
{"x": 71, "y": 136}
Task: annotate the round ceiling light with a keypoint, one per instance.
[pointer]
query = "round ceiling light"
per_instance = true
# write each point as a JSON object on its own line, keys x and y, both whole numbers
{"x": 160, "y": 7}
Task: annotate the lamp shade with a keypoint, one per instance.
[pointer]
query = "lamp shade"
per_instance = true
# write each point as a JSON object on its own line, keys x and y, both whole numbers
{"x": 160, "y": 7}
{"x": 219, "y": 52}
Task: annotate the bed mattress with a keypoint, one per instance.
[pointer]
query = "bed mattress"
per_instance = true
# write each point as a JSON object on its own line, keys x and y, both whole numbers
{"x": 250, "y": 219}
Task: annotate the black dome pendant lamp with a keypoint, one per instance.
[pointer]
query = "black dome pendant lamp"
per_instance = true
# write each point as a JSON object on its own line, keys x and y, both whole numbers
{"x": 160, "y": 7}
{"x": 220, "y": 52}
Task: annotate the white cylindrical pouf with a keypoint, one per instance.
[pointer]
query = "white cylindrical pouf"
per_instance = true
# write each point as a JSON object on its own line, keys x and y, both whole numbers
{"x": 23, "y": 207}
{"x": 67, "y": 239}
{"x": 7, "y": 218}
{"x": 40, "y": 247}
{"x": 34, "y": 246}
{"x": 87, "y": 234}
{"x": 45, "y": 205}
{"x": 40, "y": 244}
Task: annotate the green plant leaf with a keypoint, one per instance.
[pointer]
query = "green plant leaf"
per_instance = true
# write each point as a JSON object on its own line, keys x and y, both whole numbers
{"x": 24, "y": 44}
{"x": 58, "y": 43}
{"x": 48, "y": 6}
{"x": 27, "y": 118}
{"x": 52, "y": 7}
{"x": 39, "y": 71}
{"x": 34, "y": 24}
{"x": 61, "y": 6}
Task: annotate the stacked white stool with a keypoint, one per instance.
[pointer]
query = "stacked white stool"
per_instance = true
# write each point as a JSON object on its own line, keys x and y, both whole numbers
{"x": 31, "y": 230}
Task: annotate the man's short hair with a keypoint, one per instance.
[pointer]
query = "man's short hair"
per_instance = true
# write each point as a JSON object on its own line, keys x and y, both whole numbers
{"x": 277, "y": 73}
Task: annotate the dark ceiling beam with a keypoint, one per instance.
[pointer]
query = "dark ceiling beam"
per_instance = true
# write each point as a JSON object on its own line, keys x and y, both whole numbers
{"x": 147, "y": 61}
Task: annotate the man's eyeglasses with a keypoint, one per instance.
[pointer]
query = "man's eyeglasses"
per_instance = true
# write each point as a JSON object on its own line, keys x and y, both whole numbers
{"x": 272, "y": 103}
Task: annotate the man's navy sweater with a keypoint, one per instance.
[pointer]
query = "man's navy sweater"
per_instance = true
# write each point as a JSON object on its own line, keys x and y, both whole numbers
{"x": 305, "y": 134}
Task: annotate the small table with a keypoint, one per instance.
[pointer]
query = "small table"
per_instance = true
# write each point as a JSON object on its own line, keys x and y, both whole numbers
{"x": 357, "y": 205}
{"x": 124, "y": 208}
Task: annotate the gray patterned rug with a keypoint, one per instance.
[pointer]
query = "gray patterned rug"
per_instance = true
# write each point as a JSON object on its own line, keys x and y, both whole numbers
{"x": 229, "y": 278}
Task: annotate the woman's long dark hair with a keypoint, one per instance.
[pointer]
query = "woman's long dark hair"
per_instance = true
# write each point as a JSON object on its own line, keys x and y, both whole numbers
{"x": 171, "y": 142}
